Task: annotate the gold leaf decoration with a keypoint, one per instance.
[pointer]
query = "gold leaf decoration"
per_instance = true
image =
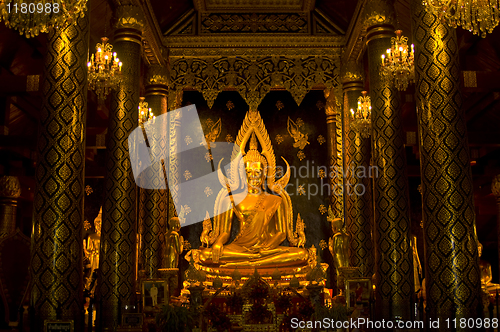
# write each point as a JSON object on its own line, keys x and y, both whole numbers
{"x": 229, "y": 105}
{"x": 321, "y": 139}
{"x": 187, "y": 175}
{"x": 322, "y": 209}
{"x": 88, "y": 190}
{"x": 301, "y": 155}
{"x": 229, "y": 138}
{"x": 322, "y": 173}
{"x": 300, "y": 190}
{"x": 188, "y": 140}
{"x": 86, "y": 225}
{"x": 322, "y": 244}
{"x": 208, "y": 191}
{"x": 279, "y": 139}
{"x": 208, "y": 157}
{"x": 279, "y": 105}
{"x": 299, "y": 122}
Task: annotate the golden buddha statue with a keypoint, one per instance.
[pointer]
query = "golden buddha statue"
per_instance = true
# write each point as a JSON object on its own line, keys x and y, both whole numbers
{"x": 266, "y": 219}
{"x": 92, "y": 245}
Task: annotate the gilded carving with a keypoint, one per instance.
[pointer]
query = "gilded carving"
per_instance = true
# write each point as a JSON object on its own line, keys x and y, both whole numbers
{"x": 379, "y": 12}
{"x": 254, "y": 23}
{"x": 157, "y": 75}
{"x": 129, "y": 17}
{"x": 300, "y": 139}
{"x": 10, "y": 186}
{"x": 351, "y": 72}
{"x": 253, "y": 77}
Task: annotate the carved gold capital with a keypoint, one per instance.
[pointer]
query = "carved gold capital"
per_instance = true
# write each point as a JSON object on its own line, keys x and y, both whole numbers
{"x": 331, "y": 105}
{"x": 129, "y": 17}
{"x": 157, "y": 75}
{"x": 10, "y": 187}
{"x": 495, "y": 187}
{"x": 351, "y": 76}
{"x": 379, "y": 12}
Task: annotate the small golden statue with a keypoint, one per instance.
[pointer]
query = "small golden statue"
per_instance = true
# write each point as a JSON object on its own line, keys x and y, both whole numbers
{"x": 266, "y": 219}
{"x": 173, "y": 243}
{"x": 338, "y": 243}
{"x": 92, "y": 245}
{"x": 485, "y": 268}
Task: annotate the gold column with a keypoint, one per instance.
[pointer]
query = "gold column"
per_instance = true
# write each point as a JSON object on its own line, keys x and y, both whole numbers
{"x": 393, "y": 260}
{"x": 335, "y": 173}
{"x": 10, "y": 190}
{"x": 154, "y": 202}
{"x": 358, "y": 193}
{"x": 495, "y": 189}
{"x": 56, "y": 241}
{"x": 118, "y": 234}
{"x": 452, "y": 273}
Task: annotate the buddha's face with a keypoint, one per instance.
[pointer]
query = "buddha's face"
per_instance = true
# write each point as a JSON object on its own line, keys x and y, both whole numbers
{"x": 255, "y": 176}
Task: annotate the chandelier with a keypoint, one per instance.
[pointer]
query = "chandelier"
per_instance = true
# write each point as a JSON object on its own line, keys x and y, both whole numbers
{"x": 478, "y": 16}
{"x": 145, "y": 113}
{"x": 361, "y": 118}
{"x": 104, "y": 69}
{"x": 32, "y": 18}
{"x": 398, "y": 66}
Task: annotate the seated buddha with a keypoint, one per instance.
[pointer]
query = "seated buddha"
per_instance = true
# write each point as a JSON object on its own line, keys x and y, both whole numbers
{"x": 265, "y": 219}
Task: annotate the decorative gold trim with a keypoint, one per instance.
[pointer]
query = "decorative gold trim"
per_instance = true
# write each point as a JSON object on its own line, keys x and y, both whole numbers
{"x": 181, "y": 44}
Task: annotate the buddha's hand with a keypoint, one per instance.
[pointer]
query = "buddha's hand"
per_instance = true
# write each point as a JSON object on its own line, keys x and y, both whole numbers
{"x": 216, "y": 252}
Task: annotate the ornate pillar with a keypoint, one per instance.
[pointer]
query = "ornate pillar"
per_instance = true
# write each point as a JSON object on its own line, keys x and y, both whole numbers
{"x": 56, "y": 242}
{"x": 358, "y": 193}
{"x": 154, "y": 202}
{"x": 335, "y": 177}
{"x": 10, "y": 190}
{"x": 394, "y": 272}
{"x": 495, "y": 189}
{"x": 452, "y": 275}
{"x": 118, "y": 234}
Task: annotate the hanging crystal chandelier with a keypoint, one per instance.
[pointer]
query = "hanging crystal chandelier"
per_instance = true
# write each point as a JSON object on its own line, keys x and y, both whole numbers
{"x": 361, "y": 118}
{"x": 32, "y": 18}
{"x": 104, "y": 69}
{"x": 478, "y": 16}
{"x": 145, "y": 113}
{"x": 398, "y": 66}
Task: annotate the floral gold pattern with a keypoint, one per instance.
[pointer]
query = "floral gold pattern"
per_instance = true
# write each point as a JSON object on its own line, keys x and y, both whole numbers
{"x": 301, "y": 155}
{"x": 188, "y": 140}
{"x": 321, "y": 139}
{"x": 322, "y": 209}
{"x": 187, "y": 175}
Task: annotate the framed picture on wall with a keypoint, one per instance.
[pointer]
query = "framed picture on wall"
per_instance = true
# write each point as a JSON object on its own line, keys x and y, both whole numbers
{"x": 358, "y": 291}
{"x": 154, "y": 293}
{"x": 58, "y": 326}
